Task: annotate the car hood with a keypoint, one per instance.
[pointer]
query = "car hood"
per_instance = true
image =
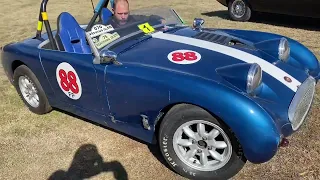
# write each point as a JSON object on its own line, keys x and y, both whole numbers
{"x": 214, "y": 50}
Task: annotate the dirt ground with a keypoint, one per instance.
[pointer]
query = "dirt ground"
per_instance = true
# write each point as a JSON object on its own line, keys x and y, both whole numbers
{"x": 57, "y": 144}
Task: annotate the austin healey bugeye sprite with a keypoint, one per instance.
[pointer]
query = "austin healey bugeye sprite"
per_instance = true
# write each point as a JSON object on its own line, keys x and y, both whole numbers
{"x": 211, "y": 99}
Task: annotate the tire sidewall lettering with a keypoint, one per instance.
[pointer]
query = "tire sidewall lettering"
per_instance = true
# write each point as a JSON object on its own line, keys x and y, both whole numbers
{"x": 164, "y": 148}
{"x": 189, "y": 172}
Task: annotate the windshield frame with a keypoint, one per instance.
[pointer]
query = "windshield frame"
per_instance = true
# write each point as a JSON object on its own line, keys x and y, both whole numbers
{"x": 178, "y": 22}
{"x": 125, "y": 37}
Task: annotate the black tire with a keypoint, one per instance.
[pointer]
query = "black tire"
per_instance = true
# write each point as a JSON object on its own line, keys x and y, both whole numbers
{"x": 44, "y": 106}
{"x": 181, "y": 114}
{"x": 243, "y": 16}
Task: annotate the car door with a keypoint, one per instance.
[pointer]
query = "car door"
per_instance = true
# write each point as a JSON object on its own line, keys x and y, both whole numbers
{"x": 133, "y": 92}
{"x": 73, "y": 79}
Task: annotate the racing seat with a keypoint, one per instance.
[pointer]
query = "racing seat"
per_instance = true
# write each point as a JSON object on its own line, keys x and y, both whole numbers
{"x": 70, "y": 36}
{"x": 105, "y": 15}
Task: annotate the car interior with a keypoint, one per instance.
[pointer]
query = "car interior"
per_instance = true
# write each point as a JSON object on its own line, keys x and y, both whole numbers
{"x": 70, "y": 36}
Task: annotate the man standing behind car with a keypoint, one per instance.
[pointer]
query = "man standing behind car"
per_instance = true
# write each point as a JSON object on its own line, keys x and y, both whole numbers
{"x": 121, "y": 15}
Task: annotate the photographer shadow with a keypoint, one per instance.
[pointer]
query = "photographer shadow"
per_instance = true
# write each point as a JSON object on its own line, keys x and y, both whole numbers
{"x": 87, "y": 162}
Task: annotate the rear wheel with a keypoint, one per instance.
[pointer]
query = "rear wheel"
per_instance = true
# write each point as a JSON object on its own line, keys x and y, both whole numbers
{"x": 239, "y": 10}
{"x": 197, "y": 146}
{"x": 30, "y": 90}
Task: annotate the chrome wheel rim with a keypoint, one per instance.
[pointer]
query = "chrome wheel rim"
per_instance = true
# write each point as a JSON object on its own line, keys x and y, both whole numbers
{"x": 29, "y": 91}
{"x": 202, "y": 145}
{"x": 238, "y": 8}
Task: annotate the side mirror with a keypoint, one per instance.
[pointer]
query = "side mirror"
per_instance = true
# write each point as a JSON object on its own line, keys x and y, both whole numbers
{"x": 107, "y": 56}
{"x": 197, "y": 23}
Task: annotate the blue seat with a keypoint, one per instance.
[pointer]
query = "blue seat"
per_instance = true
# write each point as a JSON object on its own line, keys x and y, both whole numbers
{"x": 105, "y": 15}
{"x": 70, "y": 36}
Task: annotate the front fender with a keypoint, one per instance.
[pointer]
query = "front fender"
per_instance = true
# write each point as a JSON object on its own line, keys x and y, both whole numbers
{"x": 302, "y": 56}
{"x": 251, "y": 124}
{"x": 255, "y": 129}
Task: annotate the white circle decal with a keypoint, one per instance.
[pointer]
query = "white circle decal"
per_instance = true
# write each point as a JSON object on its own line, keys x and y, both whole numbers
{"x": 184, "y": 57}
{"x": 69, "y": 80}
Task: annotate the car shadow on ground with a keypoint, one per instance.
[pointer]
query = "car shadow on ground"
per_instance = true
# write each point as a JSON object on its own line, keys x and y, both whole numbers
{"x": 87, "y": 162}
{"x": 153, "y": 148}
{"x": 274, "y": 19}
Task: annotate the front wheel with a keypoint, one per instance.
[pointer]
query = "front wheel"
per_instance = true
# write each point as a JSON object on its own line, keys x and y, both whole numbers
{"x": 197, "y": 146}
{"x": 239, "y": 10}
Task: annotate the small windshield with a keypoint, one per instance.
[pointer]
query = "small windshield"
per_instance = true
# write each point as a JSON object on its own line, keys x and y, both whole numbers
{"x": 140, "y": 22}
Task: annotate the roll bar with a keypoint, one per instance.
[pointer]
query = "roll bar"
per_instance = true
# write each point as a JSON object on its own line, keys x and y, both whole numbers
{"x": 43, "y": 18}
{"x": 97, "y": 11}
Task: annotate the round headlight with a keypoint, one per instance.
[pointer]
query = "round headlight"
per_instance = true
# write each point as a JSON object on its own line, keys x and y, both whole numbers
{"x": 254, "y": 78}
{"x": 284, "y": 49}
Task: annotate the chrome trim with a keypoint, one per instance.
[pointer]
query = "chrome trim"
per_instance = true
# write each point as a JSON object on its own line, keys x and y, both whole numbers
{"x": 197, "y": 23}
{"x": 284, "y": 49}
{"x": 43, "y": 43}
{"x": 83, "y": 26}
{"x": 307, "y": 85}
{"x": 95, "y": 51}
{"x": 255, "y": 70}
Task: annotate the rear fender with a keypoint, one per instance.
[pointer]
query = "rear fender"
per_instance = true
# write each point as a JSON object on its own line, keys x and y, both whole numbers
{"x": 21, "y": 53}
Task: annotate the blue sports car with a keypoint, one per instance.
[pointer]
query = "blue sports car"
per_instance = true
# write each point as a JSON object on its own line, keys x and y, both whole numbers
{"x": 211, "y": 99}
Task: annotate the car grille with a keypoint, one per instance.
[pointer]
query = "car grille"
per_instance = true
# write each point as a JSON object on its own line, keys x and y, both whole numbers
{"x": 301, "y": 103}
